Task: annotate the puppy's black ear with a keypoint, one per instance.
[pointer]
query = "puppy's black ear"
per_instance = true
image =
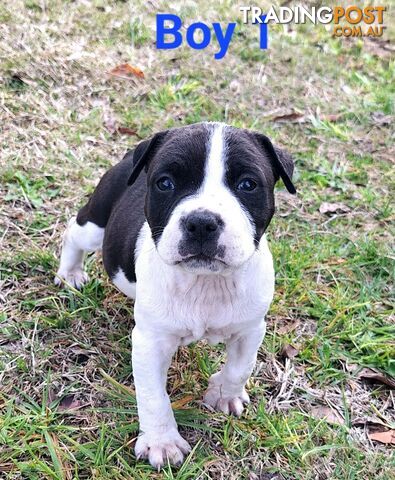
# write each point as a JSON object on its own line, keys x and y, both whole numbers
{"x": 281, "y": 160}
{"x": 143, "y": 153}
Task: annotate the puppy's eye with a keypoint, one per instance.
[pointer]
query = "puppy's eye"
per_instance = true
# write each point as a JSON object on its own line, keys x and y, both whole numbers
{"x": 165, "y": 184}
{"x": 247, "y": 185}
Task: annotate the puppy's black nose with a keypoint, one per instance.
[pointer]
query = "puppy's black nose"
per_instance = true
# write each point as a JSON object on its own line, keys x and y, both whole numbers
{"x": 201, "y": 225}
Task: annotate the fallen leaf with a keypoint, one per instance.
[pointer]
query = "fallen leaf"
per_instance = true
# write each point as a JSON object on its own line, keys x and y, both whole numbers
{"x": 387, "y": 437}
{"x": 127, "y": 71}
{"x": 182, "y": 401}
{"x": 288, "y": 327}
{"x": 328, "y": 208}
{"x": 371, "y": 374}
{"x": 292, "y": 116}
{"x": 326, "y": 413}
{"x": 373, "y": 422}
{"x": 126, "y": 131}
{"x": 111, "y": 126}
{"x": 289, "y": 351}
{"x": 68, "y": 403}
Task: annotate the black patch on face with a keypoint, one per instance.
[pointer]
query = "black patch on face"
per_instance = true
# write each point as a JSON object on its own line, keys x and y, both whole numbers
{"x": 245, "y": 160}
{"x": 200, "y": 233}
{"x": 181, "y": 158}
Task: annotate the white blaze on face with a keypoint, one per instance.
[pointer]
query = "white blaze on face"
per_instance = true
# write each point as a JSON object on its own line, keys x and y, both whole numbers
{"x": 237, "y": 236}
{"x": 215, "y": 167}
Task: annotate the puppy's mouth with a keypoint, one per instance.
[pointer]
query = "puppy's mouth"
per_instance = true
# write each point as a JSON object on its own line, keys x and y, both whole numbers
{"x": 201, "y": 261}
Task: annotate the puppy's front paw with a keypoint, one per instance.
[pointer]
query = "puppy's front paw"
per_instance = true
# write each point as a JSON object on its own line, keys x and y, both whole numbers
{"x": 76, "y": 278}
{"x": 224, "y": 401}
{"x": 158, "y": 448}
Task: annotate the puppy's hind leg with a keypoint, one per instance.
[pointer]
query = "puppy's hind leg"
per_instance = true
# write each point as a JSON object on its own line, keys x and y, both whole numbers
{"x": 77, "y": 239}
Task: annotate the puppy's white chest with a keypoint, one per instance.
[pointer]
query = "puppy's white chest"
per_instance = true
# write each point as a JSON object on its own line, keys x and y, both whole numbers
{"x": 193, "y": 307}
{"x": 207, "y": 308}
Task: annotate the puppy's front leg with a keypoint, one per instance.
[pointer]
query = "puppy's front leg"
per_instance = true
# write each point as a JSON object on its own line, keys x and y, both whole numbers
{"x": 159, "y": 439}
{"x": 226, "y": 390}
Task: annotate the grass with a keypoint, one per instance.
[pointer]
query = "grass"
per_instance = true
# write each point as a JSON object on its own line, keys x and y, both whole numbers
{"x": 67, "y": 407}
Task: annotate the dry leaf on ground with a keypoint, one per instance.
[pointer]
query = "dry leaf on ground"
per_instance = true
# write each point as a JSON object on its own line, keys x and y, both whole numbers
{"x": 69, "y": 403}
{"x": 127, "y": 131}
{"x": 111, "y": 126}
{"x": 182, "y": 401}
{"x": 372, "y": 422}
{"x": 326, "y": 413}
{"x": 292, "y": 116}
{"x": 127, "y": 71}
{"x": 371, "y": 374}
{"x": 289, "y": 351}
{"x": 387, "y": 437}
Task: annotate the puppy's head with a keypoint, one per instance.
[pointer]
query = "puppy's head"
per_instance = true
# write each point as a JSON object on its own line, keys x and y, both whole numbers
{"x": 210, "y": 193}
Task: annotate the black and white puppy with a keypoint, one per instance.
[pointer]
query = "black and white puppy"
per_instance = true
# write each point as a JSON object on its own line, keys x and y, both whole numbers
{"x": 181, "y": 222}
